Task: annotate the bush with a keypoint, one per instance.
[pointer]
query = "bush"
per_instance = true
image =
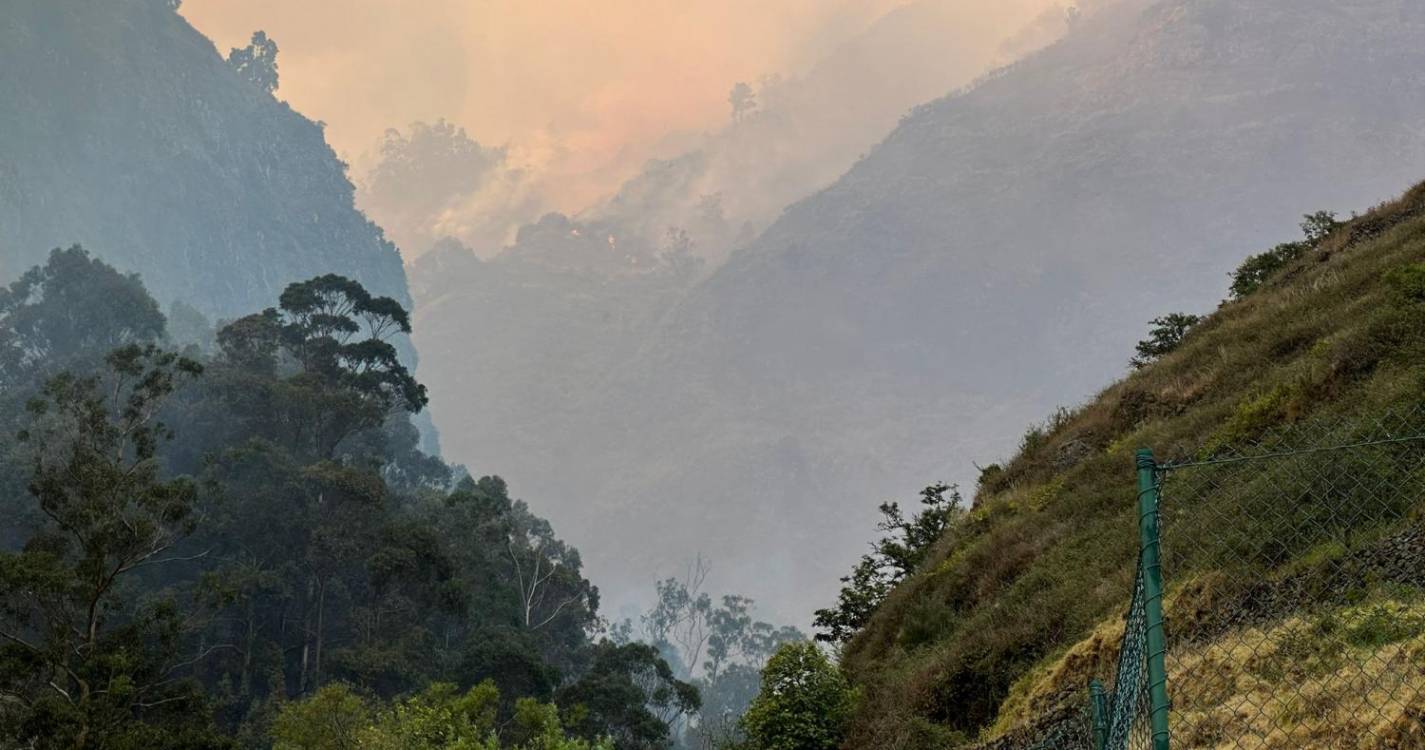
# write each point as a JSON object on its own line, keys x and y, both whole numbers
{"x": 893, "y": 558}
{"x": 1407, "y": 285}
{"x": 1258, "y": 269}
{"x": 440, "y": 717}
{"x": 1394, "y": 332}
{"x": 925, "y": 621}
{"x": 1165, "y": 336}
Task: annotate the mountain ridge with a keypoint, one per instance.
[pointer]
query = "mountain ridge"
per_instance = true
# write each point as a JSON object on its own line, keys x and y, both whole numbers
{"x": 163, "y": 160}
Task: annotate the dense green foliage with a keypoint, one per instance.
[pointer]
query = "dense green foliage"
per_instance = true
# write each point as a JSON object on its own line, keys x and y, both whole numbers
{"x": 72, "y": 305}
{"x": 257, "y": 62}
{"x": 1015, "y": 605}
{"x": 438, "y": 718}
{"x": 805, "y": 702}
{"x": 76, "y": 664}
{"x": 630, "y": 694}
{"x": 200, "y": 539}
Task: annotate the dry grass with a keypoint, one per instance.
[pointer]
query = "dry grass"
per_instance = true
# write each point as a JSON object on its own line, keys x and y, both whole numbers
{"x": 1264, "y": 689}
{"x": 1283, "y": 686}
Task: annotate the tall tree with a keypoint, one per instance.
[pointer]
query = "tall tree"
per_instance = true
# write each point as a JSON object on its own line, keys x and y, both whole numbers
{"x": 743, "y": 101}
{"x": 334, "y": 338}
{"x": 328, "y": 548}
{"x": 82, "y": 662}
{"x": 679, "y": 620}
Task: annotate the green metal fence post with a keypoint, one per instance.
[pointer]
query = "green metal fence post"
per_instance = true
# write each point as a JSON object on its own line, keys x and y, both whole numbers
{"x": 1100, "y": 715}
{"x": 1153, "y": 595}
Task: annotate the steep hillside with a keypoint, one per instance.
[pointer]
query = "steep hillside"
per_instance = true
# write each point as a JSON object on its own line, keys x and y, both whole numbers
{"x": 122, "y": 128}
{"x": 1023, "y": 601}
{"x": 994, "y": 257}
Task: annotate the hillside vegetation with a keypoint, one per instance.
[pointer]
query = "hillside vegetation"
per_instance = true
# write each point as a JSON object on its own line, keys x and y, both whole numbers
{"x": 1022, "y": 602}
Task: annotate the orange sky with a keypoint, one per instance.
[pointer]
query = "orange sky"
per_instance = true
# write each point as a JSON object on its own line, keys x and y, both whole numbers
{"x": 566, "y": 81}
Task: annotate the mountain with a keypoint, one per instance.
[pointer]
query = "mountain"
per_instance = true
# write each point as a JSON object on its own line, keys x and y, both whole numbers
{"x": 528, "y": 349}
{"x": 791, "y": 134}
{"x": 1285, "y": 564}
{"x": 994, "y": 257}
{"x": 162, "y": 159}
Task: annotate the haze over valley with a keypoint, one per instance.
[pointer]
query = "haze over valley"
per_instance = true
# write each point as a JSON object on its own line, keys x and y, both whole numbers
{"x": 533, "y": 376}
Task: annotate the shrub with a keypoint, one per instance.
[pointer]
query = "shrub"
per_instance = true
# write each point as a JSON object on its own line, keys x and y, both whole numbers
{"x": 1318, "y": 226}
{"x": 1165, "y": 336}
{"x": 1249, "y": 419}
{"x": 926, "y": 621}
{"x": 1381, "y": 625}
{"x": 1258, "y": 269}
{"x": 1393, "y": 333}
{"x": 893, "y": 558}
{"x": 1407, "y": 285}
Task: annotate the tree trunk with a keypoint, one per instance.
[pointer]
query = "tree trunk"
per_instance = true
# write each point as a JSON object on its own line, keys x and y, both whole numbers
{"x": 249, "y": 641}
{"x": 321, "y": 614}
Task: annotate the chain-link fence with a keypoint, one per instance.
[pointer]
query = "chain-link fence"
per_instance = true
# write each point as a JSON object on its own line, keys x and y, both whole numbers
{"x": 1293, "y": 614}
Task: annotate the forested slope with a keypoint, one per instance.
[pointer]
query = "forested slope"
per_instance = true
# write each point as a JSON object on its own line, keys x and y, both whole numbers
{"x": 1022, "y": 601}
{"x": 124, "y": 129}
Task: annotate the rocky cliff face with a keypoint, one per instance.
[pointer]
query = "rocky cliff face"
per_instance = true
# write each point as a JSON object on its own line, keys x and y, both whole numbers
{"x": 122, "y": 128}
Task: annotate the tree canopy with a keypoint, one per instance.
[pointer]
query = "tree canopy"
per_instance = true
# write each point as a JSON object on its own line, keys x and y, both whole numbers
{"x": 74, "y": 305}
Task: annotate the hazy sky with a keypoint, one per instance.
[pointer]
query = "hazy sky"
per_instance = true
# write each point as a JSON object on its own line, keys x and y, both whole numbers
{"x": 569, "y": 84}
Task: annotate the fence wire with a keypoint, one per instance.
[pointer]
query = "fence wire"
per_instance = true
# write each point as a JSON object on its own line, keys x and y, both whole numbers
{"x": 1295, "y": 609}
{"x": 1298, "y": 585}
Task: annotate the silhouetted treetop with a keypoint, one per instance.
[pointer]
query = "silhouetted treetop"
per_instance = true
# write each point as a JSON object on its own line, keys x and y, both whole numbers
{"x": 257, "y": 62}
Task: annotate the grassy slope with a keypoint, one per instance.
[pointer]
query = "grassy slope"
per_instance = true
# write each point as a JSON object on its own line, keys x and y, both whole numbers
{"x": 1022, "y": 602}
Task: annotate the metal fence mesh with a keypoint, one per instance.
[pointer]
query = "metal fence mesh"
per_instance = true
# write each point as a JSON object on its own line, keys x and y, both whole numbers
{"x": 1298, "y": 582}
{"x": 1114, "y": 717}
{"x": 1295, "y": 608}
{"x": 1118, "y": 726}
